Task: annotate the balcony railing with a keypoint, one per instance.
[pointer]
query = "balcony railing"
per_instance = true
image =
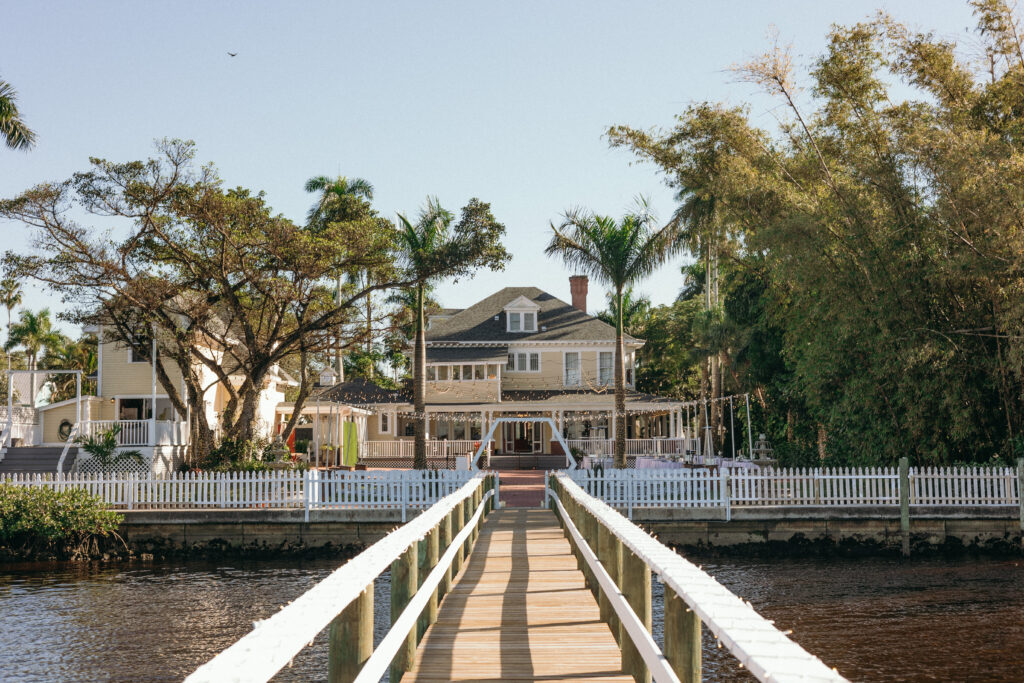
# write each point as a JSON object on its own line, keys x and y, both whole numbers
{"x": 136, "y": 432}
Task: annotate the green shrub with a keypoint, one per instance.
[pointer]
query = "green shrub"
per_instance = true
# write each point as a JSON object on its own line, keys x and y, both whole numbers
{"x": 40, "y": 518}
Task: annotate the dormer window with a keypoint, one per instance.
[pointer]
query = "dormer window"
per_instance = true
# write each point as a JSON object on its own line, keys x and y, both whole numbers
{"x": 521, "y": 315}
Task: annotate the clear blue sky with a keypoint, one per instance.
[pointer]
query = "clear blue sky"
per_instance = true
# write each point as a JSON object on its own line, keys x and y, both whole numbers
{"x": 503, "y": 101}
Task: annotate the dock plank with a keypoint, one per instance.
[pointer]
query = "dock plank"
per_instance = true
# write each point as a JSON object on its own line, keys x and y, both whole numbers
{"x": 519, "y": 611}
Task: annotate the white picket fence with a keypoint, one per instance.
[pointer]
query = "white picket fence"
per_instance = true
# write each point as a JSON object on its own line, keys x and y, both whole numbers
{"x": 312, "y": 490}
{"x": 626, "y": 489}
{"x": 840, "y": 486}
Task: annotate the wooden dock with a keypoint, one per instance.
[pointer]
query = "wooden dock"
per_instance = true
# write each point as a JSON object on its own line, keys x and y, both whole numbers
{"x": 519, "y": 611}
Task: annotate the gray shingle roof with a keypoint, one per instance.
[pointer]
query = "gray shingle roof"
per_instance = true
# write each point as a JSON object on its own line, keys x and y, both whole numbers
{"x": 561, "y": 320}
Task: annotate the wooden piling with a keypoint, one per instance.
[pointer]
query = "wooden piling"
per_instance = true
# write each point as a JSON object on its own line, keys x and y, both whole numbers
{"x": 606, "y": 553}
{"x": 905, "y": 505}
{"x": 458, "y": 522}
{"x": 403, "y": 587}
{"x": 682, "y": 638}
{"x": 350, "y": 639}
{"x": 445, "y": 541}
{"x": 636, "y": 586}
{"x": 428, "y": 553}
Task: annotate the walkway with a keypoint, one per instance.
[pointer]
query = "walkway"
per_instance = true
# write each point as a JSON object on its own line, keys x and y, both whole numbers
{"x": 522, "y": 488}
{"x": 517, "y": 610}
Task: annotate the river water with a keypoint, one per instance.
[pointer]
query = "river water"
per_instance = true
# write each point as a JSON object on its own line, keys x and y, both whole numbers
{"x": 873, "y": 619}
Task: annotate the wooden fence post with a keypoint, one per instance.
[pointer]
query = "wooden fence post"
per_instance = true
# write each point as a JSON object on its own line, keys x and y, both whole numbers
{"x": 403, "y": 587}
{"x": 905, "y": 506}
{"x": 444, "y": 542}
{"x": 458, "y": 522}
{"x": 350, "y": 639}
{"x": 636, "y": 586}
{"x": 1020, "y": 495}
{"x": 682, "y": 638}
{"x": 606, "y": 553}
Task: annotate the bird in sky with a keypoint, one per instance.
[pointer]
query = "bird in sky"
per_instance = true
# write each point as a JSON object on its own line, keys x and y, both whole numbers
{"x": 232, "y": 54}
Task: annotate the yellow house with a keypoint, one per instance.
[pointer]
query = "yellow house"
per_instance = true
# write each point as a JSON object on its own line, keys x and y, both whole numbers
{"x": 520, "y": 352}
{"x": 127, "y": 396}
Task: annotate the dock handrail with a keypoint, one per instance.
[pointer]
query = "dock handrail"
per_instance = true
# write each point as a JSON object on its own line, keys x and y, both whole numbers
{"x": 761, "y": 648}
{"x": 275, "y": 641}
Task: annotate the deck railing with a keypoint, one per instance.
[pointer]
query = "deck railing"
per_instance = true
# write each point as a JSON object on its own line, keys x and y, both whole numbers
{"x": 436, "y": 448}
{"x": 423, "y": 556}
{"x": 312, "y": 490}
{"x": 133, "y": 432}
{"x": 671, "y": 447}
{"x": 618, "y": 559}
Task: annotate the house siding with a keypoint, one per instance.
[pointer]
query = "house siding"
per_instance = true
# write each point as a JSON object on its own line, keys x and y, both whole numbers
{"x": 121, "y": 377}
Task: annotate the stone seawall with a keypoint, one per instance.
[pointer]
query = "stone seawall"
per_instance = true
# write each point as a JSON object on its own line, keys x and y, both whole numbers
{"x": 855, "y": 528}
{"x": 255, "y": 532}
{"x": 852, "y": 529}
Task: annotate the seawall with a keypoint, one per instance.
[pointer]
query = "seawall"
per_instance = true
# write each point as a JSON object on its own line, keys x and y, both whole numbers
{"x": 867, "y": 528}
{"x": 848, "y": 529}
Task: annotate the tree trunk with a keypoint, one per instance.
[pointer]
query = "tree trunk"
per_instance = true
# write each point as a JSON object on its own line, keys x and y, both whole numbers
{"x": 369, "y": 327}
{"x": 305, "y": 389}
{"x": 620, "y": 386}
{"x": 339, "y": 364}
{"x": 419, "y": 388}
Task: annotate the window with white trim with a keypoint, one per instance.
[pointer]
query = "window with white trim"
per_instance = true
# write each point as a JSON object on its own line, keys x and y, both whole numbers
{"x": 572, "y": 377}
{"x": 523, "y": 361}
{"x": 462, "y": 372}
{"x": 385, "y": 423}
{"x": 606, "y": 368}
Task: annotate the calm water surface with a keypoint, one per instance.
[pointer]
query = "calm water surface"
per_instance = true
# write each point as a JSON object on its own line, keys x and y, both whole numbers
{"x": 873, "y": 619}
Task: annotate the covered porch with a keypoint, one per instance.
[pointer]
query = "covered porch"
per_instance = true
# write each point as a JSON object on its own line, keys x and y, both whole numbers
{"x": 327, "y": 434}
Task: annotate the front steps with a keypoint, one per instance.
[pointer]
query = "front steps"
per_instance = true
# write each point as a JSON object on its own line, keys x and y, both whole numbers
{"x": 36, "y": 460}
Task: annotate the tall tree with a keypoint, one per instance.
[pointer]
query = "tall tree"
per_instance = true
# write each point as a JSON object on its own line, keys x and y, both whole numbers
{"x": 15, "y": 133}
{"x": 431, "y": 248}
{"x": 620, "y": 254}
{"x": 340, "y": 200}
{"x": 223, "y": 283}
{"x": 33, "y": 332}
{"x": 880, "y": 260}
{"x": 10, "y": 297}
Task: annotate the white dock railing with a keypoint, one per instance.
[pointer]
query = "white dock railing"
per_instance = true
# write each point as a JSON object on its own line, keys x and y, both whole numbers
{"x": 761, "y": 648}
{"x": 834, "y": 487}
{"x": 344, "y": 600}
{"x": 313, "y": 490}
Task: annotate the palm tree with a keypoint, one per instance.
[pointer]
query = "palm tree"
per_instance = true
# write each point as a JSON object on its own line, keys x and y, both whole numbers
{"x": 635, "y": 310}
{"x": 418, "y": 245}
{"x": 14, "y": 131}
{"x": 34, "y": 332}
{"x": 10, "y": 297}
{"x": 70, "y": 354}
{"x": 620, "y": 254}
{"x": 336, "y": 204}
{"x": 103, "y": 449}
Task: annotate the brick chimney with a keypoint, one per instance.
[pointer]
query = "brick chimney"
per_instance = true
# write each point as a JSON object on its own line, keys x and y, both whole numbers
{"x": 578, "y": 288}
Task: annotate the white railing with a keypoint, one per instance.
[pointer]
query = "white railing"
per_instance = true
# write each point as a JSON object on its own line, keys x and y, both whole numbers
{"x": 274, "y": 642}
{"x": 171, "y": 433}
{"x": 628, "y": 489}
{"x": 604, "y": 448}
{"x": 837, "y": 487}
{"x": 312, "y": 490}
{"x": 964, "y": 486}
{"x": 817, "y": 486}
{"x": 133, "y": 432}
{"x": 761, "y": 648}
{"x": 436, "y": 448}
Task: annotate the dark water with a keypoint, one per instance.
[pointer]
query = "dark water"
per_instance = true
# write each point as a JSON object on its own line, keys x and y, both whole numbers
{"x": 873, "y": 619}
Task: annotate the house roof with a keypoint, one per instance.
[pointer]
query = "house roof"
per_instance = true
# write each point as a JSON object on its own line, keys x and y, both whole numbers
{"x": 467, "y": 354}
{"x": 556, "y": 321}
{"x": 359, "y": 390}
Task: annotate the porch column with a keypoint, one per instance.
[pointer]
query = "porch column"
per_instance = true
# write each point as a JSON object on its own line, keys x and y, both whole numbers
{"x": 152, "y": 400}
